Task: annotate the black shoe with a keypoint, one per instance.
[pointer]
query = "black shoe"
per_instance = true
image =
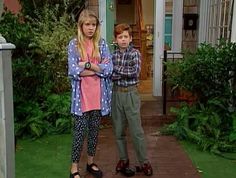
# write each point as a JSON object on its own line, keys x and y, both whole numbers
{"x": 72, "y": 175}
{"x": 97, "y": 173}
{"x": 128, "y": 172}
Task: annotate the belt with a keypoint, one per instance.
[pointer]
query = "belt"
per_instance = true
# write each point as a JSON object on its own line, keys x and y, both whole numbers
{"x": 124, "y": 89}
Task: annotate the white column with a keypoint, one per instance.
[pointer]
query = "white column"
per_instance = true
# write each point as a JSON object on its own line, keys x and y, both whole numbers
{"x": 159, "y": 21}
{"x": 102, "y": 17}
{"x": 7, "y": 145}
{"x": 233, "y": 33}
{"x": 177, "y": 26}
{"x": 204, "y": 14}
{"x": 202, "y": 19}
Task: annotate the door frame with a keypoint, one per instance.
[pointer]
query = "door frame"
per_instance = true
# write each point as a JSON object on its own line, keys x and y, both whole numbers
{"x": 159, "y": 25}
{"x": 158, "y": 39}
{"x": 107, "y": 17}
{"x": 103, "y": 18}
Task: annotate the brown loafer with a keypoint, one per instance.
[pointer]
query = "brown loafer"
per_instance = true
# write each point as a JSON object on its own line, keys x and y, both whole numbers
{"x": 147, "y": 169}
{"x": 123, "y": 167}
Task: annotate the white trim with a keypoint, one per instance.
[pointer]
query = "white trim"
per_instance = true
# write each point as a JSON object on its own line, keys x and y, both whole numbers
{"x": 159, "y": 20}
{"x": 177, "y": 23}
{"x": 203, "y": 18}
{"x": 103, "y": 18}
{"x": 214, "y": 20}
{"x": 233, "y": 32}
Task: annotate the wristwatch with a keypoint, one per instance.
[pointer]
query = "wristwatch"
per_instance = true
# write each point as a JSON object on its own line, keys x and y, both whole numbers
{"x": 87, "y": 65}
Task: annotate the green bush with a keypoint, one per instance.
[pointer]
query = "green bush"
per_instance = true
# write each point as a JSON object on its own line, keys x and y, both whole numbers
{"x": 209, "y": 74}
{"x": 30, "y": 8}
{"x": 52, "y": 116}
{"x": 211, "y": 126}
{"x": 15, "y": 31}
{"x": 40, "y": 82}
{"x": 50, "y": 40}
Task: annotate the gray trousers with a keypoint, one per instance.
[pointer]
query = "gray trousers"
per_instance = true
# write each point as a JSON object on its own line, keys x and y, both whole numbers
{"x": 126, "y": 113}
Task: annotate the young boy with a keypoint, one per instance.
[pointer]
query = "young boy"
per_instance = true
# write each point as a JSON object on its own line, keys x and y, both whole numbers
{"x": 126, "y": 102}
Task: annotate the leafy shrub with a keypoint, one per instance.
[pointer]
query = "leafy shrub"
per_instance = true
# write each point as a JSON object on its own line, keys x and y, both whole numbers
{"x": 57, "y": 112}
{"x": 210, "y": 126}
{"x": 15, "y": 31}
{"x": 40, "y": 84}
{"x": 207, "y": 72}
{"x": 210, "y": 74}
{"x": 51, "y": 37}
{"x": 29, "y": 8}
{"x": 29, "y": 120}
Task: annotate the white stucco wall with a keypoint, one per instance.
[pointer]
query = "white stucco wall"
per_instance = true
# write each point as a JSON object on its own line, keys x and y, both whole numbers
{"x": 159, "y": 19}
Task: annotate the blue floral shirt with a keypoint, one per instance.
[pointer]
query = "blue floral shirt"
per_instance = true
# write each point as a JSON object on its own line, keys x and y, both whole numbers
{"x": 74, "y": 74}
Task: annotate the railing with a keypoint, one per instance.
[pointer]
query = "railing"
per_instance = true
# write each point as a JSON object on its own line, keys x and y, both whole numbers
{"x": 168, "y": 55}
{"x": 139, "y": 15}
{"x": 141, "y": 37}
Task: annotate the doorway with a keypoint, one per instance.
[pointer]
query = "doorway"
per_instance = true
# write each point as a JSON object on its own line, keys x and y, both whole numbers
{"x": 143, "y": 36}
{"x": 153, "y": 14}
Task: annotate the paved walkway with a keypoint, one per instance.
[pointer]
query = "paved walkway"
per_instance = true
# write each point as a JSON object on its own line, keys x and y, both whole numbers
{"x": 166, "y": 155}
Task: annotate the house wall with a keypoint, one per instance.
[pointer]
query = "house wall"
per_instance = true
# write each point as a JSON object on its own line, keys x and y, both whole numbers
{"x": 12, "y": 5}
{"x": 168, "y": 6}
{"x": 94, "y": 6}
{"x": 125, "y": 12}
{"x": 148, "y": 11}
{"x": 190, "y": 37}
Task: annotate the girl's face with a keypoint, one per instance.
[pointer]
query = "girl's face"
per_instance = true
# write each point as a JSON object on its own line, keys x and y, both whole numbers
{"x": 89, "y": 27}
{"x": 123, "y": 40}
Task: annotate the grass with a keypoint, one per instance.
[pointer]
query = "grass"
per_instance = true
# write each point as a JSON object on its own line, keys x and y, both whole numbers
{"x": 210, "y": 165}
{"x": 49, "y": 157}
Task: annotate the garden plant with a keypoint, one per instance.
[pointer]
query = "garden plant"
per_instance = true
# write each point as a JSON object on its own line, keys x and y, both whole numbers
{"x": 209, "y": 74}
{"x": 40, "y": 32}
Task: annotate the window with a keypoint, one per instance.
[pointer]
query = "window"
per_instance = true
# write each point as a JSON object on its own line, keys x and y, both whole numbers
{"x": 168, "y": 31}
{"x": 215, "y": 20}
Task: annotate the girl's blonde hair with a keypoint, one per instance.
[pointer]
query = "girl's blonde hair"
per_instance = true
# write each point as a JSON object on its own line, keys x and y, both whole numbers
{"x": 85, "y": 15}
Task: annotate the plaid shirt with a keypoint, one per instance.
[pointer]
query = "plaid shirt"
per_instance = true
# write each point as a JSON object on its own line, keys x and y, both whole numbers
{"x": 126, "y": 67}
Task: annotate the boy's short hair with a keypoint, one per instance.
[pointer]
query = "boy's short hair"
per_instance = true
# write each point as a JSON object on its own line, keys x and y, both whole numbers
{"x": 120, "y": 28}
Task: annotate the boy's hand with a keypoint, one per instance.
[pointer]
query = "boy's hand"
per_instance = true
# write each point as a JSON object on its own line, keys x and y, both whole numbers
{"x": 116, "y": 77}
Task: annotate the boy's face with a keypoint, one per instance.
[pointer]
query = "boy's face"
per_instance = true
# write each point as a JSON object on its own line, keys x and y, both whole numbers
{"x": 123, "y": 40}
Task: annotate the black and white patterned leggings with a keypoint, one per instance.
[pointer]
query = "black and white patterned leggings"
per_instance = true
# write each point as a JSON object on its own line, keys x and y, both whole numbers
{"x": 85, "y": 125}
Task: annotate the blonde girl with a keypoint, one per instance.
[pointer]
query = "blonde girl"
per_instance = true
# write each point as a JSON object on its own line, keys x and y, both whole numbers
{"x": 89, "y": 68}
